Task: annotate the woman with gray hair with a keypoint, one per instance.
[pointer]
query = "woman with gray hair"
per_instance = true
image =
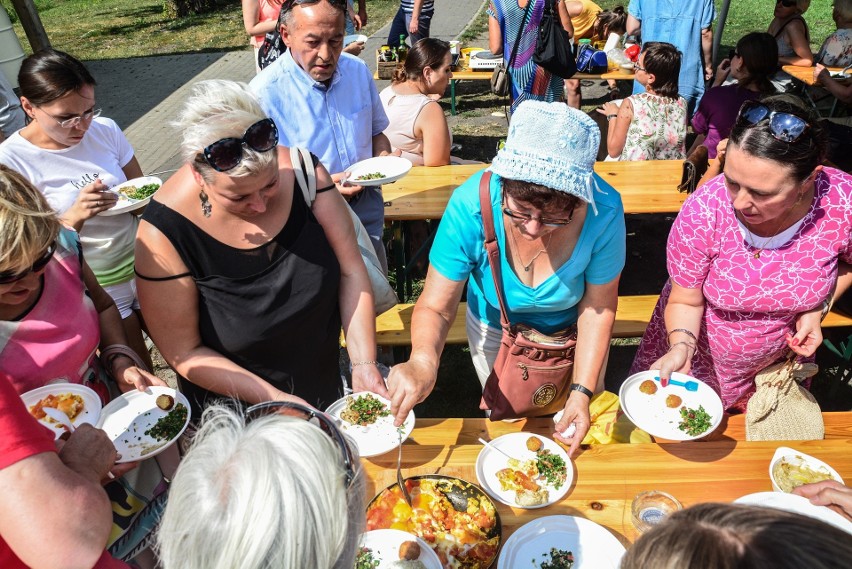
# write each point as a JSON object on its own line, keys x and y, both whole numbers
{"x": 244, "y": 284}
{"x": 278, "y": 488}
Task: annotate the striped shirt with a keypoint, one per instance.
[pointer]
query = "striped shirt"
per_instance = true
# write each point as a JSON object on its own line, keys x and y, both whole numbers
{"x": 427, "y": 7}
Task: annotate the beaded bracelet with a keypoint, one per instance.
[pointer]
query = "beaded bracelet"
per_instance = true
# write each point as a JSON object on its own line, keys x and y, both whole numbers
{"x": 683, "y": 330}
{"x": 365, "y": 362}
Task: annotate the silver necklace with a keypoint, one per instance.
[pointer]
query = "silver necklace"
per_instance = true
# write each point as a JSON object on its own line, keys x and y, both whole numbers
{"x": 748, "y": 232}
{"x": 528, "y": 266}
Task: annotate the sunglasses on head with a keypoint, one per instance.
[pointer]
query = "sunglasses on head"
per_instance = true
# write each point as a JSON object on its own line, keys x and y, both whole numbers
{"x": 317, "y": 418}
{"x": 288, "y": 5}
{"x": 227, "y": 153}
{"x": 785, "y": 127}
{"x": 38, "y": 265}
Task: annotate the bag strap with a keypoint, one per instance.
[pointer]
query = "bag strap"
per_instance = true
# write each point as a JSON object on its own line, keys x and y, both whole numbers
{"x": 520, "y": 33}
{"x": 491, "y": 246}
{"x": 305, "y": 177}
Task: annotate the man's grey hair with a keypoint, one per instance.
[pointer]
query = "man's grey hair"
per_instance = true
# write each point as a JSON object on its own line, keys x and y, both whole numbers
{"x": 218, "y": 109}
{"x": 263, "y": 495}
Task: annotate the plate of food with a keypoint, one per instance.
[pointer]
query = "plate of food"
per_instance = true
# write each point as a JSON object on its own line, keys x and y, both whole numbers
{"x": 377, "y": 171}
{"x": 365, "y": 417}
{"x": 142, "y": 424}
{"x": 564, "y": 542}
{"x": 456, "y": 518}
{"x": 394, "y": 549}
{"x": 790, "y": 469}
{"x": 684, "y": 410}
{"x": 353, "y": 38}
{"x": 80, "y": 403}
{"x": 538, "y": 474}
{"x": 133, "y": 194}
{"x": 798, "y": 505}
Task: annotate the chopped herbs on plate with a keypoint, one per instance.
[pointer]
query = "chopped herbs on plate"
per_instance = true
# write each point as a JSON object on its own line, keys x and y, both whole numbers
{"x": 559, "y": 559}
{"x": 363, "y": 410}
{"x": 372, "y": 176}
{"x": 365, "y": 559}
{"x": 694, "y": 421}
{"x": 167, "y": 427}
{"x": 552, "y": 467}
{"x": 139, "y": 193}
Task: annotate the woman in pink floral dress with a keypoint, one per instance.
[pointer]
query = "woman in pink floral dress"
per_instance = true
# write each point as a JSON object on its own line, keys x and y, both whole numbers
{"x": 753, "y": 256}
{"x": 650, "y": 125}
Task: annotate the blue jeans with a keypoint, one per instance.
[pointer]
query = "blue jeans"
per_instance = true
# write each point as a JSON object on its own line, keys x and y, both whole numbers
{"x": 399, "y": 27}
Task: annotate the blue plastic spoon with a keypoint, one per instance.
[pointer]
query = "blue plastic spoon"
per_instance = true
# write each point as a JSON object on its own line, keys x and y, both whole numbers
{"x": 689, "y": 385}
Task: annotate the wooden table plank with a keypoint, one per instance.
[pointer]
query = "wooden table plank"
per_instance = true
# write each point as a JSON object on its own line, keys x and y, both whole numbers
{"x": 607, "y": 477}
{"x": 645, "y": 187}
{"x": 806, "y": 74}
{"x": 466, "y": 74}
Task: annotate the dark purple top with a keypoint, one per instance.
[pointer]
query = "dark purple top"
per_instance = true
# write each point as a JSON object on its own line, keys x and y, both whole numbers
{"x": 717, "y": 112}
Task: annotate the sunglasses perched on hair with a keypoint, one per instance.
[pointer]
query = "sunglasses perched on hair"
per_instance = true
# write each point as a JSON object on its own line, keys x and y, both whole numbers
{"x": 38, "y": 265}
{"x": 227, "y": 153}
{"x": 288, "y": 5}
{"x": 527, "y": 217}
{"x": 785, "y": 127}
{"x": 786, "y": 3}
{"x": 317, "y": 418}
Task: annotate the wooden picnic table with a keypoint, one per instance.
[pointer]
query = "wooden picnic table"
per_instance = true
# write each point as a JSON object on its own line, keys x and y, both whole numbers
{"x": 645, "y": 187}
{"x": 805, "y": 74}
{"x": 607, "y": 477}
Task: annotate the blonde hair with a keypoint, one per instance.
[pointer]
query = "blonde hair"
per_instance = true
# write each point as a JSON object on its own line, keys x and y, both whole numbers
{"x": 218, "y": 109}
{"x": 28, "y": 225}
{"x": 266, "y": 494}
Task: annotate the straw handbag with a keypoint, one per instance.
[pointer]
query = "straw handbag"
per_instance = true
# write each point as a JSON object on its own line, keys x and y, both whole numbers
{"x": 781, "y": 409}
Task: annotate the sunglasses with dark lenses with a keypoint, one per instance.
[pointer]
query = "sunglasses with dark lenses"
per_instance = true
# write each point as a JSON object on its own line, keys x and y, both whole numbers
{"x": 317, "y": 418}
{"x": 39, "y": 264}
{"x": 787, "y": 3}
{"x": 288, "y": 5}
{"x": 785, "y": 127}
{"x": 227, "y": 153}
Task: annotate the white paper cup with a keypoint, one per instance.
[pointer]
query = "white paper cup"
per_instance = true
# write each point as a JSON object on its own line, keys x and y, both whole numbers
{"x": 454, "y": 47}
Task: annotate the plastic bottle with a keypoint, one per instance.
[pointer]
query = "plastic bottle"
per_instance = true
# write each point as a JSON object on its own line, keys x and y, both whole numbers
{"x": 616, "y": 58}
{"x": 402, "y": 50}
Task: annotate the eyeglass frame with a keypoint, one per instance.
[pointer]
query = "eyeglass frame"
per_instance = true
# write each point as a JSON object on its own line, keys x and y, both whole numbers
{"x": 770, "y": 114}
{"x": 70, "y": 123}
{"x": 526, "y": 217}
{"x": 268, "y": 408}
{"x": 38, "y": 265}
{"x": 207, "y": 153}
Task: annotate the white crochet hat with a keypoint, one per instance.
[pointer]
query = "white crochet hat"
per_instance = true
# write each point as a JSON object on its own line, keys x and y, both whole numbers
{"x": 553, "y": 145}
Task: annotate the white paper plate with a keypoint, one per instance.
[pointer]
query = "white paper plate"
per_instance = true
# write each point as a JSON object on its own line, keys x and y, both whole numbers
{"x": 627, "y": 66}
{"x": 649, "y": 412}
{"x": 796, "y": 504}
{"x": 593, "y": 546}
{"x": 125, "y": 204}
{"x": 515, "y": 445}
{"x": 385, "y": 543}
{"x": 360, "y": 38}
{"x": 392, "y": 167}
{"x": 125, "y": 420}
{"x": 795, "y": 457}
{"x": 91, "y": 404}
{"x": 375, "y": 439}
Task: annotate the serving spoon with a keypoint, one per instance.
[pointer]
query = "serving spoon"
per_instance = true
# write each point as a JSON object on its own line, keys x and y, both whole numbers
{"x": 59, "y": 417}
{"x": 399, "y": 479}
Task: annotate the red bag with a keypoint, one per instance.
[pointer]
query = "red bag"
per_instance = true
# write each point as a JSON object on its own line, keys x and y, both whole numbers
{"x": 532, "y": 372}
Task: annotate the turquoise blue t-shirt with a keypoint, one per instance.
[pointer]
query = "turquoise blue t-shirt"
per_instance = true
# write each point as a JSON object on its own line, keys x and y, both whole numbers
{"x": 458, "y": 253}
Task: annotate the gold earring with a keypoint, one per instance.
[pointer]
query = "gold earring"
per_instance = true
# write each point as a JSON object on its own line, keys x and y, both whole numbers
{"x": 206, "y": 208}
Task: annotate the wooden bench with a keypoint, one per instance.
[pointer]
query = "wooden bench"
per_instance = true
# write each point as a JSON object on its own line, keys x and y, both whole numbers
{"x": 393, "y": 328}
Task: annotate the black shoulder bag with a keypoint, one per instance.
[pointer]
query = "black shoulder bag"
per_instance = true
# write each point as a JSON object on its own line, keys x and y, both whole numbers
{"x": 553, "y": 47}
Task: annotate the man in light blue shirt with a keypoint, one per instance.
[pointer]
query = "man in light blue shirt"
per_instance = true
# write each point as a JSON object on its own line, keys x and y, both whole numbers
{"x": 326, "y": 101}
{"x": 687, "y": 25}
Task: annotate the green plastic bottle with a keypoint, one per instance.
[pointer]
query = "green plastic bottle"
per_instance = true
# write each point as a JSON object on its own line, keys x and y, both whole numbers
{"x": 402, "y": 50}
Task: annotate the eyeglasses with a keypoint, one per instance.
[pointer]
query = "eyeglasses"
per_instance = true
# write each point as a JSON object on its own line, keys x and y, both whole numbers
{"x": 787, "y": 3}
{"x": 321, "y": 420}
{"x": 785, "y": 127}
{"x": 74, "y": 121}
{"x": 638, "y": 67}
{"x": 732, "y": 54}
{"x": 227, "y": 153}
{"x": 546, "y": 221}
{"x": 38, "y": 265}
{"x": 288, "y": 5}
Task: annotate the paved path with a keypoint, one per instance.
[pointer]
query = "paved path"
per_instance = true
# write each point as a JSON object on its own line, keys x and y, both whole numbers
{"x": 143, "y": 95}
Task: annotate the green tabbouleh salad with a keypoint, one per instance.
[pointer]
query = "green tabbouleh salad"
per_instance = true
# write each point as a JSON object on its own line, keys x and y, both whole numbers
{"x": 365, "y": 559}
{"x": 363, "y": 410}
{"x": 139, "y": 193}
{"x": 559, "y": 559}
{"x": 552, "y": 467}
{"x": 372, "y": 176}
{"x": 167, "y": 427}
{"x": 694, "y": 421}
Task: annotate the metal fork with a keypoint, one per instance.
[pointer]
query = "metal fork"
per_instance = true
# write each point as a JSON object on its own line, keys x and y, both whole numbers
{"x": 399, "y": 479}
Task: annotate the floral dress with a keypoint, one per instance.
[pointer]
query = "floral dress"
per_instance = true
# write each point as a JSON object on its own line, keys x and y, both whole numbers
{"x": 836, "y": 50}
{"x": 658, "y": 129}
{"x": 750, "y": 303}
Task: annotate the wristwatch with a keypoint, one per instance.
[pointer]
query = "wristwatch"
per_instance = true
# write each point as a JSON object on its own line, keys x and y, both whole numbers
{"x": 585, "y": 391}
{"x": 610, "y": 117}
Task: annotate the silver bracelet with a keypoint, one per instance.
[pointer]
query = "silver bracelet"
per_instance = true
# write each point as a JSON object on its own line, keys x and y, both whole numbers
{"x": 683, "y": 330}
{"x": 687, "y": 344}
{"x": 365, "y": 362}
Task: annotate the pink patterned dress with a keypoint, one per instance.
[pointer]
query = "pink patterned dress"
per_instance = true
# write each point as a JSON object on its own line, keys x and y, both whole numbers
{"x": 750, "y": 303}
